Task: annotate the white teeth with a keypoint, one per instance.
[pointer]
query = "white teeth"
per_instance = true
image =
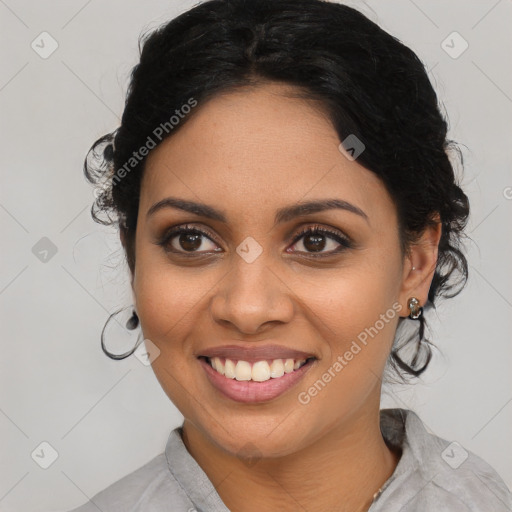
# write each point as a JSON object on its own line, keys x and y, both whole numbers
{"x": 277, "y": 368}
{"x": 288, "y": 366}
{"x": 217, "y": 365}
{"x": 243, "y": 370}
{"x": 229, "y": 369}
{"x": 259, "y": 371}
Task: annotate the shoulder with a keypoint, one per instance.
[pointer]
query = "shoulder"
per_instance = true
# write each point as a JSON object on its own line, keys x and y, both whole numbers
{"x": 469, "y": 481}
{"x": 442, "y": 474}
{"x": 150, "y": 487}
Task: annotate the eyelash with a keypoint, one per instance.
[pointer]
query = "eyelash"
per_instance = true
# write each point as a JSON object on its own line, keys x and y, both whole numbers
{"x": 345, "y": 242}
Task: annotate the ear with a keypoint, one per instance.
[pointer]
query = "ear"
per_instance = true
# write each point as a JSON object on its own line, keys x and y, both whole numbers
{"x": 422, "y": 257}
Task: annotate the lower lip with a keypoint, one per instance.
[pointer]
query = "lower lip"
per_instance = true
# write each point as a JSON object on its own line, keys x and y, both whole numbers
{"x": 248, "y": 391}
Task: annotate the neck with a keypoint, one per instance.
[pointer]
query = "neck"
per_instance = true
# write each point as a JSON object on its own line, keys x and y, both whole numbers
{"x": 346, "y": 466}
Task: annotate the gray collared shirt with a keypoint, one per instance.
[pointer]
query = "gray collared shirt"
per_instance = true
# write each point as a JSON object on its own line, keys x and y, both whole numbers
{"x": 433, "y": 475}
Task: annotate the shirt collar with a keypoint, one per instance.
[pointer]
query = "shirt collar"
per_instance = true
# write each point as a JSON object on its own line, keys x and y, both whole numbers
{"x": 403, "y": 430}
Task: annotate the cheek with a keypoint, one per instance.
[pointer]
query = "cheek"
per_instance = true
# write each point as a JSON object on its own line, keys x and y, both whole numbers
{"x": 368, "y": 314}
{"x": 357, "y": 319}
{"x": 167, "y": 295}
{"x": 166, "y": 300}
{"x": 349, "y": 301}
{"x": 364, "y": 296}
{"x": 166, "y": 303}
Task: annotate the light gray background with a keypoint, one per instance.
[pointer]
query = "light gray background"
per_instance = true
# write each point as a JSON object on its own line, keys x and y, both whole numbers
{"x": 107, "y": 418}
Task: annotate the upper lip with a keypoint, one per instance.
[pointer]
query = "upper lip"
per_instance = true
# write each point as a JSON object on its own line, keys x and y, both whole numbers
{"x": 257, "y": 353}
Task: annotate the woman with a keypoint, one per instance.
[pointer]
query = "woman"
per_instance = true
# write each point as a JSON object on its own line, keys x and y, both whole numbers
{"x": 289, "y": 214}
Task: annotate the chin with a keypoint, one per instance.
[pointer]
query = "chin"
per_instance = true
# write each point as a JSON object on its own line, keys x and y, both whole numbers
{"x": 257, "y": 437}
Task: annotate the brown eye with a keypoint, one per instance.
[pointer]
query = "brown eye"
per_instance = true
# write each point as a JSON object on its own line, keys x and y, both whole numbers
{"x": 185, "y": 240}
{"x": 190, "y": 241}
{"x": 316, "y": 239}
{"x": 313, "y": 242}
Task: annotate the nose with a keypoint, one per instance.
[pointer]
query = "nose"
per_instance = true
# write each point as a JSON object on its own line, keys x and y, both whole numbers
{"x": 252, "y": 297}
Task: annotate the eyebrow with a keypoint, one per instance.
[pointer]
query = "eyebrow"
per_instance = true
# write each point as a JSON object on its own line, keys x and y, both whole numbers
{"x": 283, "y": 214}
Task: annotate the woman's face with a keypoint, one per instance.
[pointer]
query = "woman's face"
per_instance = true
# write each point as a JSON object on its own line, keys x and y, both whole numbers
{"x": 253, "y": 157}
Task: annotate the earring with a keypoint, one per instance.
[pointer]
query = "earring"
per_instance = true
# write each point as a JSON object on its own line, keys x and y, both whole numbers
{"x": 415, "y": 310}
{"x": 131, "y": 324}
{"x": 133, "y": 321}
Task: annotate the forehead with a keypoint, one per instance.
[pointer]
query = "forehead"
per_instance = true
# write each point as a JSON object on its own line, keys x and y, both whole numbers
{"x": 257, "y": 147}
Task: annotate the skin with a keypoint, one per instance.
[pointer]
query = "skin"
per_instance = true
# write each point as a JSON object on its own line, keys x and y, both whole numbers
{"x": 249, "y": 153}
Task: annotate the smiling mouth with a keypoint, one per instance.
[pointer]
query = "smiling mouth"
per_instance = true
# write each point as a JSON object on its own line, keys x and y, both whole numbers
{"x": 256, "y": 371}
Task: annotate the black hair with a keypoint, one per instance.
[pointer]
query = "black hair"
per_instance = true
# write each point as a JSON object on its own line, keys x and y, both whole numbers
{"x": 369, "y": 83}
